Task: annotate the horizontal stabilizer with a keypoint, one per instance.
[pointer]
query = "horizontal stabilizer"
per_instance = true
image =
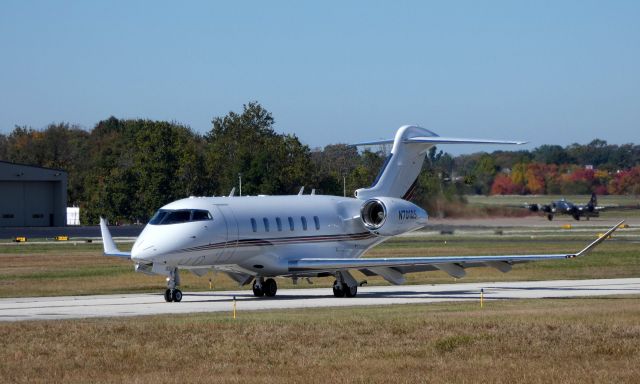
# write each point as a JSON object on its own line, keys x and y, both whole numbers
{"x": 441, "y": 140}
{"x": 455, "y": 140}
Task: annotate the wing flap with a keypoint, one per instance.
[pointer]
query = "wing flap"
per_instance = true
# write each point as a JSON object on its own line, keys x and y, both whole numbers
{"x": 389, "y": 274}
{"x": 454, "y": 270}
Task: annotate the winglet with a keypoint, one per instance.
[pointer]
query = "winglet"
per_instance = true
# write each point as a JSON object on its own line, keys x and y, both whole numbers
{"x": 598, "y": 240}
{"x": 110, "y": 248}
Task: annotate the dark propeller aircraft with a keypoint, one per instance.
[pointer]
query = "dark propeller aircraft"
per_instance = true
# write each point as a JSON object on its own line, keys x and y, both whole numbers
{"x": 564, "y": 207}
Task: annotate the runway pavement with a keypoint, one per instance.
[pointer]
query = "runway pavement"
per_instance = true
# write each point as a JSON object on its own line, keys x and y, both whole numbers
{"x": 74, "y": 307}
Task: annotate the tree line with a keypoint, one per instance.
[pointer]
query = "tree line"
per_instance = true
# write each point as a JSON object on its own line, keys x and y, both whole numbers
{"x": 127, "y": 169}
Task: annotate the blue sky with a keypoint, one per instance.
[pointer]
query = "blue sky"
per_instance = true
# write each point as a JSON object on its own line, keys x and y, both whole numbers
{"x": 330, "y": 71}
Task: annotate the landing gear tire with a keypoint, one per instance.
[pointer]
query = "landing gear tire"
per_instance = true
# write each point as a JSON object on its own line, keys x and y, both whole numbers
{"x": 350, "y": 291}
{"x": 270, "y": 287}
{"x": 173, "y": 281}
{"x": 258, "y": 290}
{"x": 338, "y": 290}
{"x": 176, "y": 295}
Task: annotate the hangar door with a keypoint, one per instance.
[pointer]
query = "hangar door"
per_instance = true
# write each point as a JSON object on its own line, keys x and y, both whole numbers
{"x": 26, "y": 203}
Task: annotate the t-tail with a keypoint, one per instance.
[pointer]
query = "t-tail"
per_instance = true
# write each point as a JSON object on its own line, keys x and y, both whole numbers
{"x": 398, "y": 176}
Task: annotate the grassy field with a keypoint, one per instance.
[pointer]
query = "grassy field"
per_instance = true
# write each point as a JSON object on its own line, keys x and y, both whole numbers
{"x": 538, "y": 341}
{"x": 50, "y": 270}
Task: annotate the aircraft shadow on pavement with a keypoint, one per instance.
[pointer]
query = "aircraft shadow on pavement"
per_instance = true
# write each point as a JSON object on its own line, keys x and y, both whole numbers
{"x": 571, "y": 289}
{"x": 217, "y": 296}
{"x": 405, "y": 294}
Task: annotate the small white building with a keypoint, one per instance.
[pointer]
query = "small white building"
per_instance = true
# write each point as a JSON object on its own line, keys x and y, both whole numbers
{"x": 73, "y": 215}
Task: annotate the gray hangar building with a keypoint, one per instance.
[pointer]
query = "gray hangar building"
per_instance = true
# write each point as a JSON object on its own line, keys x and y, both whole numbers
{"x": 32, "y": 196}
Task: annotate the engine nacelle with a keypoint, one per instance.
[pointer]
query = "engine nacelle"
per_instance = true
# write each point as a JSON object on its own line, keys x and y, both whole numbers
{"x": 389, "y": 216}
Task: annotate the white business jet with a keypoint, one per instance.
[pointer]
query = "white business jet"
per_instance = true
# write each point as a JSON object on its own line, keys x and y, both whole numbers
{"x": 257, "y": 238}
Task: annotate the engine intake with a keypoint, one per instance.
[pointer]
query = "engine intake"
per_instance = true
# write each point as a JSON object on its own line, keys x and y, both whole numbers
{"x": 373, "y": 213}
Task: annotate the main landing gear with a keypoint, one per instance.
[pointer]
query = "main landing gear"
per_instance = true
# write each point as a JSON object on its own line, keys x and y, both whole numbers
{"x": 262, "y": 287}
{"x": 345, "y": 285}
{"x": 343, "y": 290}
{"x": 173, "y": 293}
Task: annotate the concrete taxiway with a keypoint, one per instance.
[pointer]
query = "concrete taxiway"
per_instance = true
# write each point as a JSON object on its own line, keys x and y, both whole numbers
{"x": 76, "y": 307}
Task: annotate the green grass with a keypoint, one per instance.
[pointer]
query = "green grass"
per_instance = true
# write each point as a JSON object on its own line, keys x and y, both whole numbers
{"x": 106, "y": 271}
{"x": 49, "y": 270}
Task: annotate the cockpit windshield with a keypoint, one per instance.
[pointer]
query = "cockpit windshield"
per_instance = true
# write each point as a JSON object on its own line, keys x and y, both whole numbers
{"x": 167, "y": 216}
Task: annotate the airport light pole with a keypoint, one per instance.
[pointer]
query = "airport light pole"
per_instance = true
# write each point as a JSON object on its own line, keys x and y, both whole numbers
{"x": 344, "y": 184}
{"x": 240, "y": 182}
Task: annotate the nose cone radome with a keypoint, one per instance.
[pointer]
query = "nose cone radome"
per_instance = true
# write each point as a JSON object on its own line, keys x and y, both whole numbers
{"x": 143, "y": 249}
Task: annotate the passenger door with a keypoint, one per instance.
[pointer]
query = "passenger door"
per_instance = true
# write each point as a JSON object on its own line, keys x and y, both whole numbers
{"x": 225, "y": 214}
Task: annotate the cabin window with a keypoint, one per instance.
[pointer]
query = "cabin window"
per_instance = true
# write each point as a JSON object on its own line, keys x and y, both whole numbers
{"x": 175, "y": 217}
{"x": 266, "y": 224}
{"x": 304, "y": 223}
{"x": 166, "y": 216}
{"x": 8, "y": 216}
{"x": 291, "y": 226}
{"x": 158, "y": 217}
{"x": 316, "y": 220}
{"x": 279, "y": 224}
{"x": 254, "y": 225}
{"x": 200, "y": 215}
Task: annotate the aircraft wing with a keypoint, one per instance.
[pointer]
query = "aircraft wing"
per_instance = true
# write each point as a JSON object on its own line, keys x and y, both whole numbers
{"x": 110, "y": 248}
{"x": 454, "y": 265}
{"x": 533, "y": 207}
{"x": 601, "y": 208}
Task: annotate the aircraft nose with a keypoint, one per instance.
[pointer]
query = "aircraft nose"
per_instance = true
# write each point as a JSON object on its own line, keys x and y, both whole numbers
{"x": 142, "y": 248}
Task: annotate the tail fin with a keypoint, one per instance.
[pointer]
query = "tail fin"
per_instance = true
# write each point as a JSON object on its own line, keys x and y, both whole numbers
{"x": 399, "y": 174}
{"x": 593, "y": 202}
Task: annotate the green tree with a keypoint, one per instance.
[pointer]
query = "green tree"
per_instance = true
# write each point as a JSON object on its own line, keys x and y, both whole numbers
{"x": 247, "y": 144}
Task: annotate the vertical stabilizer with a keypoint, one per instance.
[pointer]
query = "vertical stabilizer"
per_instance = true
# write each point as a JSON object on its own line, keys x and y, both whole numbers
{"x": 399, "y": 174}
{"x": 401, "y": 168}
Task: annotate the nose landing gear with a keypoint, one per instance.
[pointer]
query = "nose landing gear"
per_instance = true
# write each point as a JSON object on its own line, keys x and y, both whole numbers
{"x": 173, "y": 293}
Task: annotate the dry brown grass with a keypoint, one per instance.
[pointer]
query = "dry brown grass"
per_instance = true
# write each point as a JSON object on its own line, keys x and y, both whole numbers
{"x": 541, "y": 341}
